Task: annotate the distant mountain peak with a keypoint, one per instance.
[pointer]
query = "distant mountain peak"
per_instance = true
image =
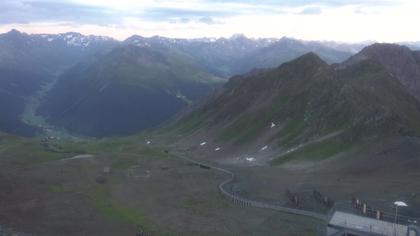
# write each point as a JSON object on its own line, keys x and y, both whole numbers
{"x": 309, "y": 59}
{"x": 16, "y": 37}
{"x": 238, "y": 36}
{"x": 383, "y": 53}
{"x": 14, "y": 31}
{"x": 310, "y": 56}
{"x": 398, "y": 60}
{"x": 72, "y": 33}
{"x": 288, "y": 39}
{"x": 379, "y": 48}
{"x": 135, "y": 36}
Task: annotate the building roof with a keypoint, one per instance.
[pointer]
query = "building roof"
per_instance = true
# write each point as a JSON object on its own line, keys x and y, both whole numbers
{"x": 360, "y": 223}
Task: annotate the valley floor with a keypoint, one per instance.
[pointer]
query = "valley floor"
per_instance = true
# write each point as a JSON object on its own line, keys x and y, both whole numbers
{"x": 31, "y": 118}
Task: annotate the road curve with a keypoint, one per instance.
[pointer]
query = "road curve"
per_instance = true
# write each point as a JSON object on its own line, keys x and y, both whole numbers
{"x": 251, "y": 203}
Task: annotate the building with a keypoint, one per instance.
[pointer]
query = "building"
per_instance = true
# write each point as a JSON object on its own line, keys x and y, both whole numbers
{"x": 347, "y": 224}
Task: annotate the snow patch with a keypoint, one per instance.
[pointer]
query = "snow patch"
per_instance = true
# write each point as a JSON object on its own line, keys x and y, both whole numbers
{"x": 203, "y": 143}
{"x": 217, "y": 149}
{"x": 292, "y": 150}
{"x": 250, "y": 159}
{"x": 264, "y": 148}
{"x": 82, "y": 156}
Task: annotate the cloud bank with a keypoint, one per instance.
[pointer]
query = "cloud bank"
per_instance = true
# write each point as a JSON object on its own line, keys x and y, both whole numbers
{"x": 343, "y": 20}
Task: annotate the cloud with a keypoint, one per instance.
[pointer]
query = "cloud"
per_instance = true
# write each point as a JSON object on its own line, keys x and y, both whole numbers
{"x": 164, "y": 13}
{"x": 207, "y": 20}
{"x": 184, "y": 20}
{"x": 204, "y": 20}
{"x": 345, "y": 20}
{"x": 311, "y": 11}
{"x": 300, "y": 3}
{"x": 25, "y": 12}
{"x": 106, "y": 12}
{"x": 109, "y": 12}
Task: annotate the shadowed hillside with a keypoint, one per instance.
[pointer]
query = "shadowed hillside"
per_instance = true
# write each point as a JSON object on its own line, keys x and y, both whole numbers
{"x": 27, "y": 62}
{"x": 307, "y": 104}
{"x": 125, "y": 91}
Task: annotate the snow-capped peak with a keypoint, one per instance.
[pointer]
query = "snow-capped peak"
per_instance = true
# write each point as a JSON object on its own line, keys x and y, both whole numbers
{"x": 79, "y": 40}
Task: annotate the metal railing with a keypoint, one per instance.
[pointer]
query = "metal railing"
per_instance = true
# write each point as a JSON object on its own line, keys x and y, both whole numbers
{"x": 237, "y": 199}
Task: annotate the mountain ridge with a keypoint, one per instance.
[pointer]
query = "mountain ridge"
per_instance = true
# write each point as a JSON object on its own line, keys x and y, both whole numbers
{"x": 125, "y": 91}
{"x": 399, "y": 60}
{"x": 180, "y": 63}
{"x": 305, "y": 99}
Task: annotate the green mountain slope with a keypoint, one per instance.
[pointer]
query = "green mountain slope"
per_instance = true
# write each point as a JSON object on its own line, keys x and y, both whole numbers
{"x": 309, "y": 102}
{"x": 28, "y": 62}
{"x": 127, "y": 90}
{"x": 400, "y": 61}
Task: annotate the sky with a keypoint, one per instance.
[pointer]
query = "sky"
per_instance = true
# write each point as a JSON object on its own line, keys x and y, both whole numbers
{"x": 338, "y": 20}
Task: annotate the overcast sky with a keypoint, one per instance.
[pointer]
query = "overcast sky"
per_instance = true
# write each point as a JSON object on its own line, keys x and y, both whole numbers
{"x": 340, "y": 20}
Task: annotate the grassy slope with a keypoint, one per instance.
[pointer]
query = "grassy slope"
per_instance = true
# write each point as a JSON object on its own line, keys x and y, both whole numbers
{"x": 145, "y": 67}
{"x": 380, "y": 108}
{"x": 120, "y": 199}
{"x": 125, "y": 91}
{"x": 128, "y": 152}
{"x": 314, "y": 152}
{"x": 309, "y": 100}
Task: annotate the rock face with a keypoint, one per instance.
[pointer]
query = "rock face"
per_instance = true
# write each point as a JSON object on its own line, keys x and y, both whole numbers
{"x": 398, "y": 60}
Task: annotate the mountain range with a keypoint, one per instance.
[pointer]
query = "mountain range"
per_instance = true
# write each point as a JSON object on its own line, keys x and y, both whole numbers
{"x": 29, "y": 61}
{"x": 308, "y": 104}
{"x": 128, "y": 131}
{"x": 96, "y": 86}
{"x": 238, "y": 54}
{"x": 75, "y": 81}
{"x": 125, "y": 91}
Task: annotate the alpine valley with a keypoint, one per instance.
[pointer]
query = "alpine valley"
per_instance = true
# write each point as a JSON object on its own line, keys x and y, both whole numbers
{"x": 207, "y": 136}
